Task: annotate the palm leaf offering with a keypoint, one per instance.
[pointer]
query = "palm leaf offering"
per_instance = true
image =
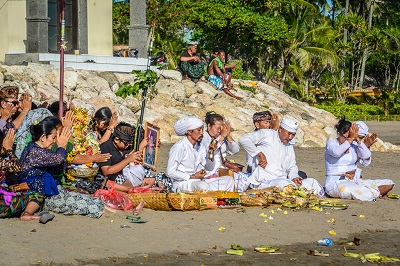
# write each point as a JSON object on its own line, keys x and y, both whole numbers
{"x": 393, "y": 196}
{"x": 327, "y": 204}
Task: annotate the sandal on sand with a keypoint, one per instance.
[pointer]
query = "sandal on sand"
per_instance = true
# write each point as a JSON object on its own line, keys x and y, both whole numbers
{"x": 46, "y": 217}
{"x": 136, "y": 219}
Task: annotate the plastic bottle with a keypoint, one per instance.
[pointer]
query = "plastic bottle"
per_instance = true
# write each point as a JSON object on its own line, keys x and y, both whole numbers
{"x": 325, "y": 242}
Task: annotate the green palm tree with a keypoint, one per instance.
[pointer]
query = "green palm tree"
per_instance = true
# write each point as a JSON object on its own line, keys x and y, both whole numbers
{"x": 308, "y": 45}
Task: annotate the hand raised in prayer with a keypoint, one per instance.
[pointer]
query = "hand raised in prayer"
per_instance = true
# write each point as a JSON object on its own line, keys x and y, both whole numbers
{"x": 101, "y": 157}
{"x": 26, "y": 102}
{"x": 370, "y": 139}
{"x": 135, "y": 157}
{"x": 68, "y": 119}
{"x": 298, "y": 181}
{"x": 8, "y": 141}
{"x": 63, "y": 137}
{"x": 113, "y": 120}
{"x": 262, "y": 160}
{"x": 274, "y": 122}
{"x": 353, "y": 131}
{"x": 226, "y": 129}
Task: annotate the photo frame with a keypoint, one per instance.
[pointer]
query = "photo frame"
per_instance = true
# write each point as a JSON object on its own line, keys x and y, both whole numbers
{"x": 150, "y": 152}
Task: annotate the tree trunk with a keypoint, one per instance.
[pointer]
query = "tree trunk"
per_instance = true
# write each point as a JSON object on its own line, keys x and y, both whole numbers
{"x": 306, "y": 87}
{"x": 363, "y": 62}
{"x": 282, "y": 85}
{"x": 346, "y": 11}
{"x": 365, "y": 53}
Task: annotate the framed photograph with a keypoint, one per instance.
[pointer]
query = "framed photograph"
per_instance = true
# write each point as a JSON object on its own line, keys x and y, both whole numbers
{"x": 150, "y": 152}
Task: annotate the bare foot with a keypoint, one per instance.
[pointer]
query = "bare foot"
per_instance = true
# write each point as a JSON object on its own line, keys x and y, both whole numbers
{"x": 138, "y": 208}
{"x": 27, "y": 217}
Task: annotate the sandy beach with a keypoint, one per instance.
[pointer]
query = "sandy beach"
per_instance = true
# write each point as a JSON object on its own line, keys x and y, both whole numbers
{"x": 194, "y": 238}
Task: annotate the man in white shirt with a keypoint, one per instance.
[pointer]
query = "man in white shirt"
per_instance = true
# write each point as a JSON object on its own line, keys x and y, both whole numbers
{"x": 187, "y": 162}
{"x": 276, "y": 158}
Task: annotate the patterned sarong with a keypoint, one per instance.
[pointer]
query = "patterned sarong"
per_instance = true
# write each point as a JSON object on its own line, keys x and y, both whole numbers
{"x": 18, "y": 203}
{"x": 193, "y": 71}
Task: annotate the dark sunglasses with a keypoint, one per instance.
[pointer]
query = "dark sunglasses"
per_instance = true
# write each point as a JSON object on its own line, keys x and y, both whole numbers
{"x": 15, "y": 103}
{"x": 125, "y": 142}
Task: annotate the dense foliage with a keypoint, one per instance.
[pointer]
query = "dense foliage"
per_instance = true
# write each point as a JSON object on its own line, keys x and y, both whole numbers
{"x": 308, "y": 48}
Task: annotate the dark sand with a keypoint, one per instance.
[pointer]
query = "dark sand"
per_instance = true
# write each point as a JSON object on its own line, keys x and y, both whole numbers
{"x": 175, "y": 238}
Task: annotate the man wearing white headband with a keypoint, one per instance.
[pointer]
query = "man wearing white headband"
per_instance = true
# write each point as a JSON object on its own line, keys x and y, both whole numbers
{"x": 187, "y": 163}
{"x": 276, "y": 158}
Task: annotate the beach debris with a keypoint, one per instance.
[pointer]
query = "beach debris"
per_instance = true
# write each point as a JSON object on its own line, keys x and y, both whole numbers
{"x": 332, "y": 232}
{"x": 270, "y": 217}
{"x": 362, "y": 216}
{"x": 325, "y": 242}
{"x": 266, "y": 221}
{"x": 204, "y": 252}
{"x": 262, "y": 215}
{"x": 355, "y": 242}
{"x": 317, "y": 253}
{"x": 285, "y": 212}
{"x": 241, "y": 210}
{"x": 267, "y": 249}
{"x": 124, "y": 226}
{"x": 221, "y": 228}
{"x": 370, "y": 257}
{"x": 32, "y": 230}
{"x": 272, "y": 211}
{"x": 235, "y": 250}
{"x": 393, "y": 196}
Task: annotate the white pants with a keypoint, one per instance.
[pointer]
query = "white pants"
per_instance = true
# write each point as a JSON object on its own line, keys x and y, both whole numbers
{"x": 224, "y": 183}
{"x": 134, "y": 174}
{"x": 365, "y": 190}
{"x": 308, "y": 183}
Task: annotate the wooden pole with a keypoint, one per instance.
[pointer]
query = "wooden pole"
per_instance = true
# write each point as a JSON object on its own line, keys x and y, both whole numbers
{"x": 62, "y": 48}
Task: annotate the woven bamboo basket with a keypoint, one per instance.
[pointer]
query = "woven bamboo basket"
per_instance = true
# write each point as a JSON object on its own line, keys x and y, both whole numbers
{"x": 184, "y": 202}
{"x": 154, "y": 201}
{"x": 251, "y": 201}
{"x": 88, "y": 173}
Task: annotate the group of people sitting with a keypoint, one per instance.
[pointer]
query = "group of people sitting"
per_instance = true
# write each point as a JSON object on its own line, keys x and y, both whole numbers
{"x": 218, "y": 73}
{"x": 271, "y": 160}
{"x": 37, "y": 146}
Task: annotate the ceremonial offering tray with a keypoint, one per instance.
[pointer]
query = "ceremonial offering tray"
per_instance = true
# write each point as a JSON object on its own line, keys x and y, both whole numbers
{"x": 87, "y": 172}
{"x": 184, "y": 201}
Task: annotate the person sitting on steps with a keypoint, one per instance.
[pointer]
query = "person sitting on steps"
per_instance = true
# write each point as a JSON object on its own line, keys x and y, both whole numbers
{"x": 217, "y": 75}
{"x": 190, "y": 64}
